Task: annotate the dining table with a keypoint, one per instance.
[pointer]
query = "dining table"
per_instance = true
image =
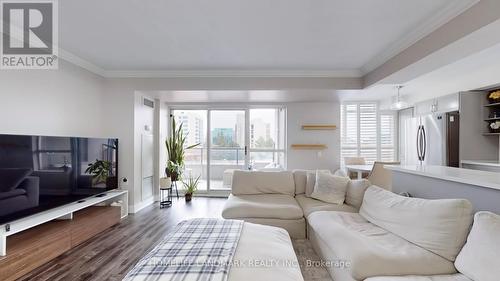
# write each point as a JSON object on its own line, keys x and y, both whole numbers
{"x": 359, "y": 169}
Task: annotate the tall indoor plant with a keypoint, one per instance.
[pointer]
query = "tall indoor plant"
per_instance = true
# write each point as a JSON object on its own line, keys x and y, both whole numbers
{"x": 176, "y": 147}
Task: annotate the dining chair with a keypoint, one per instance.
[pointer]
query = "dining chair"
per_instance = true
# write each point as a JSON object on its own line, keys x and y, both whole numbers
{"x": 380, "y": 176}
{"x": 354, "y": 161}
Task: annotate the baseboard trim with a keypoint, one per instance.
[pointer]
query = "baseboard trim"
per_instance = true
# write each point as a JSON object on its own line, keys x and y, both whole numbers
{"x": 139, "y": 206}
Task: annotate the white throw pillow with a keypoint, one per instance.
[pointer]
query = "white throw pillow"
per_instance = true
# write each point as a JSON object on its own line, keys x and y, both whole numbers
{"x": 478, "y": 259}
{"x": 330, "y": 188}
{"x": 311, "y": 181}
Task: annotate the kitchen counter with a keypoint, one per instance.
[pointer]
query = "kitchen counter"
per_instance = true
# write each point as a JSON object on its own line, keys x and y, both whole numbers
{"x": 464, "y": 176}
{"x": 492, "y": 163}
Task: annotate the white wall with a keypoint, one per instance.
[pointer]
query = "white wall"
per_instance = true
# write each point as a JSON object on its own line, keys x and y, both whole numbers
{"x": 143, "y": 116}
{"x": 66, "y": 102}
{"x": 299, "y": 114}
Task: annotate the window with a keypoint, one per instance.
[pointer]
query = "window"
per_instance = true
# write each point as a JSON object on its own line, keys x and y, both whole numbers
{"x": 267, "y": 138}
{"x": 367, "y": 132}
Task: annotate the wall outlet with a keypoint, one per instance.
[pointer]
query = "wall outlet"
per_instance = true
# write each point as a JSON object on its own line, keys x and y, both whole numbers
{"x": 124, "y": 181}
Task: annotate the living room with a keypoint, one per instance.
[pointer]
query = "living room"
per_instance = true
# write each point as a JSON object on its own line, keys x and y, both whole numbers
{"x": 277, "y": 105}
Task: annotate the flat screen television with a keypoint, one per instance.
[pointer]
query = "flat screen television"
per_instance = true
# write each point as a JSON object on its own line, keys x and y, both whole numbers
{"x": 38, "y": 173}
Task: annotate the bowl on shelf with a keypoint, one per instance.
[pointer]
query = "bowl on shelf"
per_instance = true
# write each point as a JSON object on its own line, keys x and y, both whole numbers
{"x": 494, "y": 96}
{"x": 494, "y": 126}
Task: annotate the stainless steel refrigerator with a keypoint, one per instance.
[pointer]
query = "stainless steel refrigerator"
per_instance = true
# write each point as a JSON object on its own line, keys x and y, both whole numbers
{"x": 423, "y": 140}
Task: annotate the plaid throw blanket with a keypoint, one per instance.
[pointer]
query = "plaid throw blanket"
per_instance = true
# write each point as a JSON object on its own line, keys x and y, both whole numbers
{"x": 198, "y": 249}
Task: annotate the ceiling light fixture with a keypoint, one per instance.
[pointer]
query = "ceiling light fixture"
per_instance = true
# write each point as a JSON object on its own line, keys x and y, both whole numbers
{"x": 399, "y": 104}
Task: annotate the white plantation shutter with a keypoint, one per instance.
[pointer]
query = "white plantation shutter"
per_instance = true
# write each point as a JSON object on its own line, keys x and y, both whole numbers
{"x": 387, "y": 137}
{"x": 366, "y": 132}
{"x": 349, "y": 130}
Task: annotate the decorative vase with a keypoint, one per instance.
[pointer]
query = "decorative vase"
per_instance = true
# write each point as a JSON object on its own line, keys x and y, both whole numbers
{"x": 165, "y": 182}
{"x": 188, "y": 197}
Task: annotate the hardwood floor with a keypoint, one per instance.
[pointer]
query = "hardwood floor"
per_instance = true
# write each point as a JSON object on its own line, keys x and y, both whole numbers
{"x": 112, "y": 253}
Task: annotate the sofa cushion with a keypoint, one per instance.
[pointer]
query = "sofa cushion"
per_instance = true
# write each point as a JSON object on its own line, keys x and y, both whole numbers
{"x": 310, "y": 205}
{"x": 12, "y": 193}
{"x": 356, "y": 191}
{"x": 329, "y": 188}
{"x": 478, "y": 259}
{"x": 440, "y": 226}
{"x": 300, "y": 178}
{"x": 11, "y": 178}
{"x": 371, "y": 250}
{"x": 254, "y": 182}
{"x": 262, "y": 206}
{"x": 448, "y": 277}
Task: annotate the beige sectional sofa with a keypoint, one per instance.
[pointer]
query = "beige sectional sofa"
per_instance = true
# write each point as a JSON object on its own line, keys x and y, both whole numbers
{"x": 375, "y": 235}
{"x": 279, "y": 199}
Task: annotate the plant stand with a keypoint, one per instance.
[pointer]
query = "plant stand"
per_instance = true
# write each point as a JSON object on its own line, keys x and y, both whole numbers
{"x": 166, "y": 202}
{"x": 172, "y": 185}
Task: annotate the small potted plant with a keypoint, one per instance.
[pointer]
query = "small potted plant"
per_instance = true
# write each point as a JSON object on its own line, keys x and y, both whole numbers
{"x": 165, "y": 182}
{"x": 190, "y": 187}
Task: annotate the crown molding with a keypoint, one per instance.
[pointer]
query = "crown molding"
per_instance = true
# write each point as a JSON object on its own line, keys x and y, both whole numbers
{"x": 452, "y": 10}
{"x": 85, "y": 64}
{"x": 78, "y": 61}
{"x": 348, "y": 73}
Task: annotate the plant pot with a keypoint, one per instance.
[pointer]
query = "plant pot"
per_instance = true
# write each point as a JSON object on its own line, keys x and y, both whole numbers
{"x": 174, "y": 176}
{"x": 188, "y": 197}
{"x": 165, "y": 182}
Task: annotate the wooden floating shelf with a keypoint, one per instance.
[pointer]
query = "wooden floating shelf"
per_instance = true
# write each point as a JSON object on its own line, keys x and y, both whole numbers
{"x": 319, "y": 127}
{"x": 309, "y": 146}
{"x": 492, "y": 119}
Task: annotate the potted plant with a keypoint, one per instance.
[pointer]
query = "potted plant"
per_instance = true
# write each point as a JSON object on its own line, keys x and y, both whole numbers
{"x": 165, "y": 182}
{"x": 101, "y": 173}
{"x": 190, "y": 186}
{"x": 176, "y": 147}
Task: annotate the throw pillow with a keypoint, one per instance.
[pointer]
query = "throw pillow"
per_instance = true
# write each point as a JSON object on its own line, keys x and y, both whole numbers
{"x": 311, "y": 181}
{"x": 10, "y": 179}
{"x": 330, "y": 188}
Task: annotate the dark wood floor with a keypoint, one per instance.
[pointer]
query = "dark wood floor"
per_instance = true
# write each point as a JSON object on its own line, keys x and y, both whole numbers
{"x": 112, "y": 253}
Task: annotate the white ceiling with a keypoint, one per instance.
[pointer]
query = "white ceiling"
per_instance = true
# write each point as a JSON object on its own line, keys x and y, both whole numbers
{"x": 346, "y": 38}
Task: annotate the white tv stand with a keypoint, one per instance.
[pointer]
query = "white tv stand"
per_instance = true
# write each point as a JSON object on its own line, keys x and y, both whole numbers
{"x": 119, "y": 197}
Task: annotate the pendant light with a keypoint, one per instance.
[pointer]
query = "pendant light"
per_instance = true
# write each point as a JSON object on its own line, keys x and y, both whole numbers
{"x": 399, "y": 104}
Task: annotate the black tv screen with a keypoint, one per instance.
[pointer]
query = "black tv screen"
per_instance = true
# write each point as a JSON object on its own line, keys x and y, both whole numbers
{"x": 38, "y": 173}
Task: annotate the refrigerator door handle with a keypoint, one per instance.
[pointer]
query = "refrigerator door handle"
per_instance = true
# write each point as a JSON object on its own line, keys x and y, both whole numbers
{"x": 419, "y": 153}
{"x": 424, "y": 143}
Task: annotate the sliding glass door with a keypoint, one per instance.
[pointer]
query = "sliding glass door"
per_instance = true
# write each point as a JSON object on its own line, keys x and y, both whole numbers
{"x": 194, "y": 127}
{"x": 230, "y": 139}
{"x": 227, "y": 150}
